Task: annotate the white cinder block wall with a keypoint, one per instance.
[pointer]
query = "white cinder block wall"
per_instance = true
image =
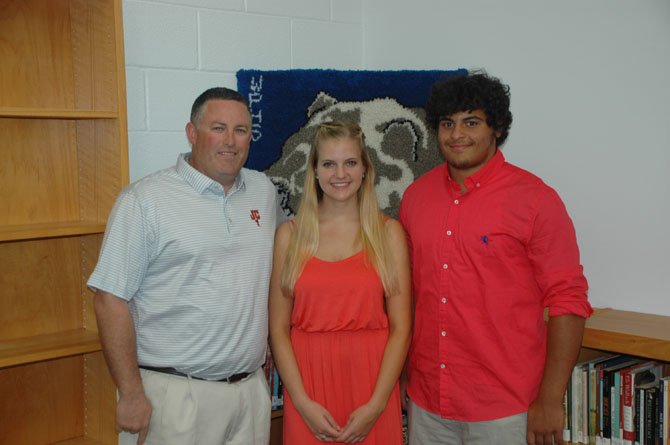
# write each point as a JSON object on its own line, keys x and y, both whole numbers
{"x": 175, "y": 49}
{"x": 589, "y": 81}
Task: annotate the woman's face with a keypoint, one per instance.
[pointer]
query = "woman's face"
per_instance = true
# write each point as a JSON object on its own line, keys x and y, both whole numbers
{"x": 339, "y": 168}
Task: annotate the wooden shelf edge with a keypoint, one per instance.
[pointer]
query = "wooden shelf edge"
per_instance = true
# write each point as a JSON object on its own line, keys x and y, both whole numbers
{"x": 652, "y": 348}
{"x": 79, "y": 441}
{"x": 46, "y": 113}
{"x": 633, "y": 333}
{"x": 26, "y": 350}
{"x": 49, "y": 230}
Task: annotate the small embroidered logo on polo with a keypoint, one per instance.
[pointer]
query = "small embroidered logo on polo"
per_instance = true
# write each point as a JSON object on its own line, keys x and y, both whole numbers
{"x": 485, "y": 240}
{"x": 256, "y": 216}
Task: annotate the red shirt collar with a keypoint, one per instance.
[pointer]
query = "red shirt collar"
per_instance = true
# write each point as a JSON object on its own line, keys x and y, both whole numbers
{"x": 481, "y": 176}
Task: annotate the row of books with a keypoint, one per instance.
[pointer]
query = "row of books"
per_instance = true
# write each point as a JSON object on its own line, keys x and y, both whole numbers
{"x": 274, "y": 382}
{"x": 618, "y": 400}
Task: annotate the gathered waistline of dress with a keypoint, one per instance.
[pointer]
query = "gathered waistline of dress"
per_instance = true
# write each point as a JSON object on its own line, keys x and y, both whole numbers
{"x": 341, "y": 331}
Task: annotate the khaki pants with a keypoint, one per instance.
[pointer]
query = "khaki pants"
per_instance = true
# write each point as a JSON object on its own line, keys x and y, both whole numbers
{"x": 187, "y": 411}
{"x": 426, "y": 428}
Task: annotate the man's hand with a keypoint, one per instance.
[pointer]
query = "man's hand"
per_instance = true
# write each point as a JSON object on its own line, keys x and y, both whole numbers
{"x": 545, "y": 423}
{"x": 133, "y": 414}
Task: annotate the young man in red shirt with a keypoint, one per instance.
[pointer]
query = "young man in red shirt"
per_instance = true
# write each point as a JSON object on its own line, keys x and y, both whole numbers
{"x": 492, "y": 247}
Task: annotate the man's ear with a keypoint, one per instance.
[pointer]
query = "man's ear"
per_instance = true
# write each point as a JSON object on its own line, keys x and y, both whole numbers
{"x": 191, "y": 133}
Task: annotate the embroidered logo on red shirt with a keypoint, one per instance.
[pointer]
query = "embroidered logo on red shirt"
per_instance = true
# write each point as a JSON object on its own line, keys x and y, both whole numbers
{"x": 256, "y": 216}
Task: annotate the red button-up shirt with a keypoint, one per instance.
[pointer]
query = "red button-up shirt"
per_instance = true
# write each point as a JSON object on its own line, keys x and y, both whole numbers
{"x": 485, "y": 265}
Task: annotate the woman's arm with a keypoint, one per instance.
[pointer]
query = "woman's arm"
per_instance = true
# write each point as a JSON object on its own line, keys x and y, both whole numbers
{"x": 317, "y": 418}
{"x": 399, "y": 314}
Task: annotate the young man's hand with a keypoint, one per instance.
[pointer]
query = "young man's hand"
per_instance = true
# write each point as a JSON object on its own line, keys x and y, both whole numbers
{"x": 545, "y": 423}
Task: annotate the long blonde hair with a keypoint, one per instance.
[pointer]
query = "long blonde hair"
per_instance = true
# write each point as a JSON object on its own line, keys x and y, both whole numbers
{"x": 305, "y": 235}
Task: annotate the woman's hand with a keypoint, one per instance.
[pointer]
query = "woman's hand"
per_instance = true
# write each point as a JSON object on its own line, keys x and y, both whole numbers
{"x": 320, "y": 422}
{"x": 359, "y": 424}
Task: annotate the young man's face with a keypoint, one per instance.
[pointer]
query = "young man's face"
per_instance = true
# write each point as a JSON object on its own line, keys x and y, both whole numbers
{"x": 220, "y": 140}
{"x": 466, "y": 141}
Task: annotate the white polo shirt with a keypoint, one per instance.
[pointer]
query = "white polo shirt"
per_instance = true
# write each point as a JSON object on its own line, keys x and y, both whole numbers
{"x": 194, "y": 265}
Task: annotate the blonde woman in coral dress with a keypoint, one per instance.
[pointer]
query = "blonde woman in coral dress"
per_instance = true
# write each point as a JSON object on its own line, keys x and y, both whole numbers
{"x": 340, "y": 302}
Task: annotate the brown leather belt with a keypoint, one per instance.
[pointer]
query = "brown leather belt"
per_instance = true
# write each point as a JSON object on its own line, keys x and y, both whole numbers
{"x": 232, "y": 379}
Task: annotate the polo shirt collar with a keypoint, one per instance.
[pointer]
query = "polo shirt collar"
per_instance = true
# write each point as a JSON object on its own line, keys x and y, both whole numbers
{"x": 480, "y": 177}
{"x": 202, "y": 183}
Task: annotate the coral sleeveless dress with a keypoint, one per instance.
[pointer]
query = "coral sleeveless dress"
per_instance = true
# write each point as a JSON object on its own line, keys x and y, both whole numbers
{"x": 339, "y": 331}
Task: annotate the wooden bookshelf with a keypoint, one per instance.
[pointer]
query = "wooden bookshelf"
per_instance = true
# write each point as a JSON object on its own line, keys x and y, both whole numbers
{"x": 65, "y": 158}
{"x": 637, "y": 334}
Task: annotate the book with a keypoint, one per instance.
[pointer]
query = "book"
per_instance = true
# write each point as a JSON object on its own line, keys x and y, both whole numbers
{"x": 584, "y": 406}
{"x": 617, "y": 410}
{"x": 649, "y": 423}
{"x": 638, "y": 426}
{"x": 579, "y": 402}
{"x": 632, "y": 377}
{"x": 607, "y": 382}
{"x": 566, "y": 412}
{"x": 277, "y": 391}
{"x": 594, "y": 367}
{"x": 575, "y": 396}
{"x": 665, "y": 406}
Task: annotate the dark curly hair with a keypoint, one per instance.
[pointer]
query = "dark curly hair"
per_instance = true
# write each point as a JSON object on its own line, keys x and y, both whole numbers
{"x": 473, "y": 91}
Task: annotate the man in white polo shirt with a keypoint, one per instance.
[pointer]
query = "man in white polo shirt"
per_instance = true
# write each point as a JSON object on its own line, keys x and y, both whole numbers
{"x": 181, "y": 289}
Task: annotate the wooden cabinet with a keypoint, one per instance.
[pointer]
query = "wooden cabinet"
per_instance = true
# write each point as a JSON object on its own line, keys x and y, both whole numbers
{"x": 63, "y": 139}
{"x": 623, "y": 332}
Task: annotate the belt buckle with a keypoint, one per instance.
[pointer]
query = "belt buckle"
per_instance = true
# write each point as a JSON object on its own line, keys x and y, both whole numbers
{"x": 236, "y": 377}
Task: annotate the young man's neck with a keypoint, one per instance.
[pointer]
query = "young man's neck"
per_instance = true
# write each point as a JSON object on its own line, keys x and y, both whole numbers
{"x": 459, "y": 175}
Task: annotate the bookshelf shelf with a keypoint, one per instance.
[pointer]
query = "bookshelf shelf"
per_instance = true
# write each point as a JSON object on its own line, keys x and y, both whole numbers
{"x": 633, "y": 333}
{"x": 80, "y": 441}
{"x": 55, "y": 113}
{"x": 26, "y": 350}
{"x": 65, "y": 158}
{"x": 49, "y": 230}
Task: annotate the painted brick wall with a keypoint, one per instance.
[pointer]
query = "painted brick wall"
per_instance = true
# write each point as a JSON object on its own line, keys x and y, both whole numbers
{"x": 175, "y": 49}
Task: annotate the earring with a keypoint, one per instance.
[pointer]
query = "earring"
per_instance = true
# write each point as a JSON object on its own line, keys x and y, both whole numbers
{"x": 363, "y": 175}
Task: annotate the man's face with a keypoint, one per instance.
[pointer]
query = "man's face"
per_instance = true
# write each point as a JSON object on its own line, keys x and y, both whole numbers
{"x": 466, "y": 142}
{"x": 220, "y": 140}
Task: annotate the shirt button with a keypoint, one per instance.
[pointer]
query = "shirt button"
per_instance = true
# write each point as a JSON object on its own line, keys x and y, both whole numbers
{"x": 456, "y": 201}
{"x": 444, "y": 333}
{"x": 477, "y": 185}
{"x": 445, "y": 266}
{"x": 444, "y": 300}
{"x": 449, "y": 232}
{"x": 442, "y": 365}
